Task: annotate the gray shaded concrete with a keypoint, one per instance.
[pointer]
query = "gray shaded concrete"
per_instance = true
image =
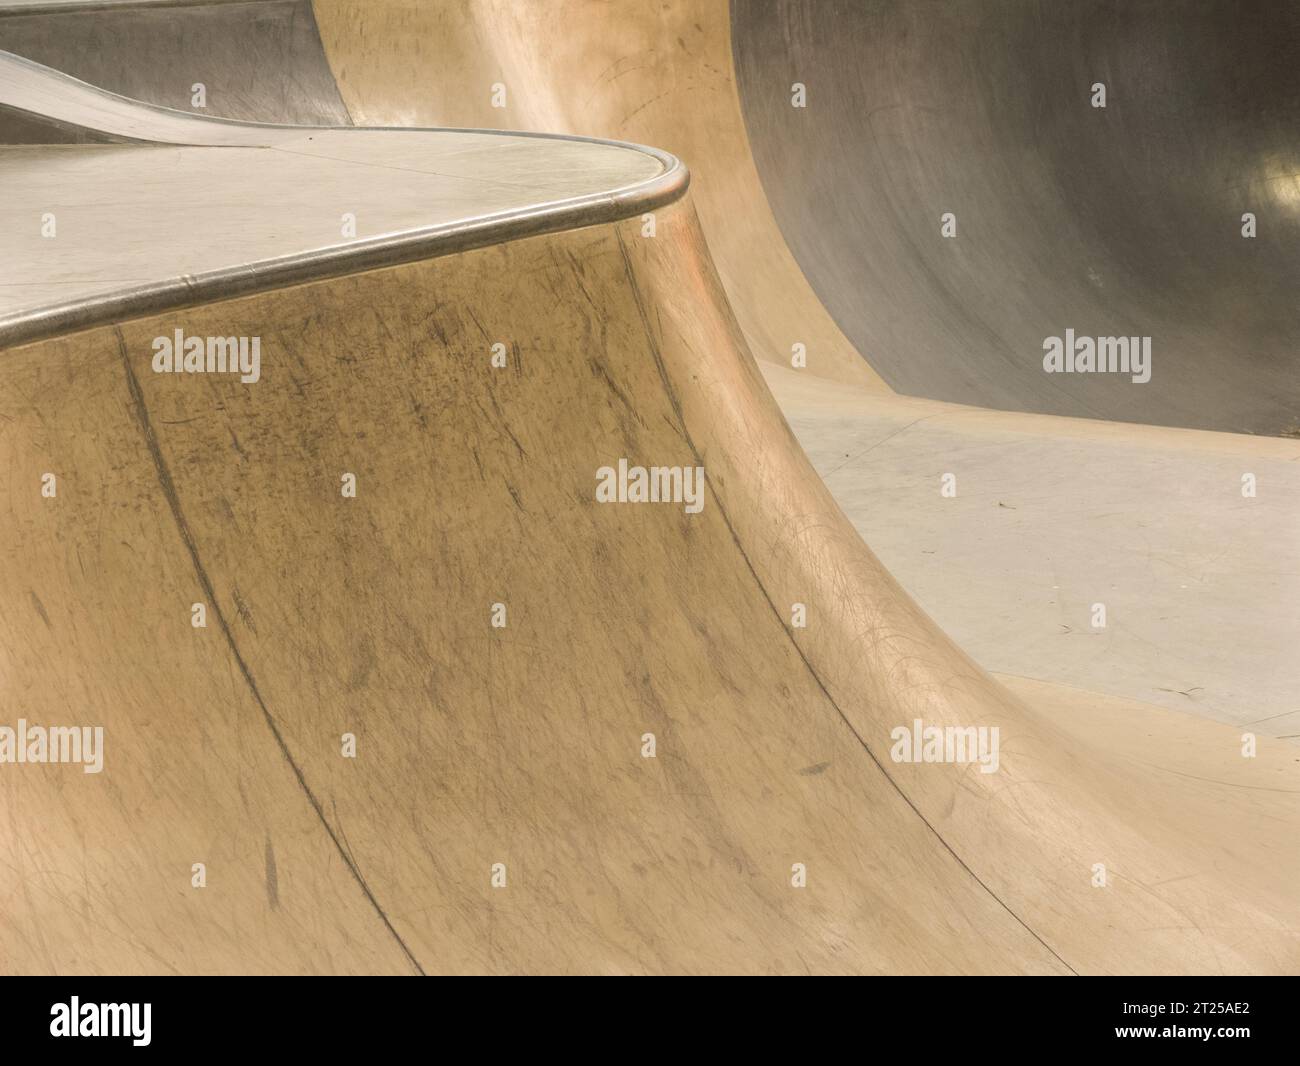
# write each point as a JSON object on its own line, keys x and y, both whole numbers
{"x": 260, "y": 61}
{"x": 1122, "y": 221}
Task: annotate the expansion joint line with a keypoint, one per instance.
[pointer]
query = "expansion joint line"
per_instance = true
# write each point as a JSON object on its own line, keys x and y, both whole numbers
{"x": 673, "y": 399}
{"x": 182, "y": 526}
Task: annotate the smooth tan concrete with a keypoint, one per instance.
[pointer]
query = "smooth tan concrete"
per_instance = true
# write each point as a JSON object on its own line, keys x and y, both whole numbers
{"x": 654, "y": 73}
{"x": 329, "y": 616}
{"x": 522, "y": 745}
{"x": 1110, "y": 513}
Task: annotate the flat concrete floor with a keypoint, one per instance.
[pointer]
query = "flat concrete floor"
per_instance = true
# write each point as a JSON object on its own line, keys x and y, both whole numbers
{"x": 1052, "y": 515}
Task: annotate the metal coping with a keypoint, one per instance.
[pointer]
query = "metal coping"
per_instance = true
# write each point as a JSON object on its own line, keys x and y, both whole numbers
{"x": 393, "y": 249}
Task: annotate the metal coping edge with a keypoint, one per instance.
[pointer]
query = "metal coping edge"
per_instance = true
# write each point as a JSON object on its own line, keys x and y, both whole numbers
{"x": 392, "y": 249}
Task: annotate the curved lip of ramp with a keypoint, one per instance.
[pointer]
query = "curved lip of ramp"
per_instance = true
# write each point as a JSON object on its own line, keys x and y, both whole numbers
{"x": 353, "y": 256}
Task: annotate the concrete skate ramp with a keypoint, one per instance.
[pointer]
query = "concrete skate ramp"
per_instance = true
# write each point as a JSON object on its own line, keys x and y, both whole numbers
{"x": 501, "y": 813}
{"x": 1125, "y": 221}
{"x": 228, "y": 180}
{"x": 654, "y": 73}
{"x": 257, "y": 60}
{"x": 504, "y": 811}
{"x": 661, "y": 73}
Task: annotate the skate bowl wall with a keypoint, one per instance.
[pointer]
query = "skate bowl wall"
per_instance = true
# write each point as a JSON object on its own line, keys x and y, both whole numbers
{"x": 518, "y": 751}
{"x": 1125, "y": 220}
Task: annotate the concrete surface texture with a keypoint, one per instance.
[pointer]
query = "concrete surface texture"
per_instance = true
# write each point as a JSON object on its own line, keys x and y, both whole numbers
{"x": 522, "y": 745}
{"x": 387, "y": 195}
{"x": 367, "y": 645}
{"x": 662, "y": 74}
{"x": 1122, "y": 220}
{"x": 657, "y": 74}
{"x": 1048, "y": 516}
{"x": 260, "y": 60}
